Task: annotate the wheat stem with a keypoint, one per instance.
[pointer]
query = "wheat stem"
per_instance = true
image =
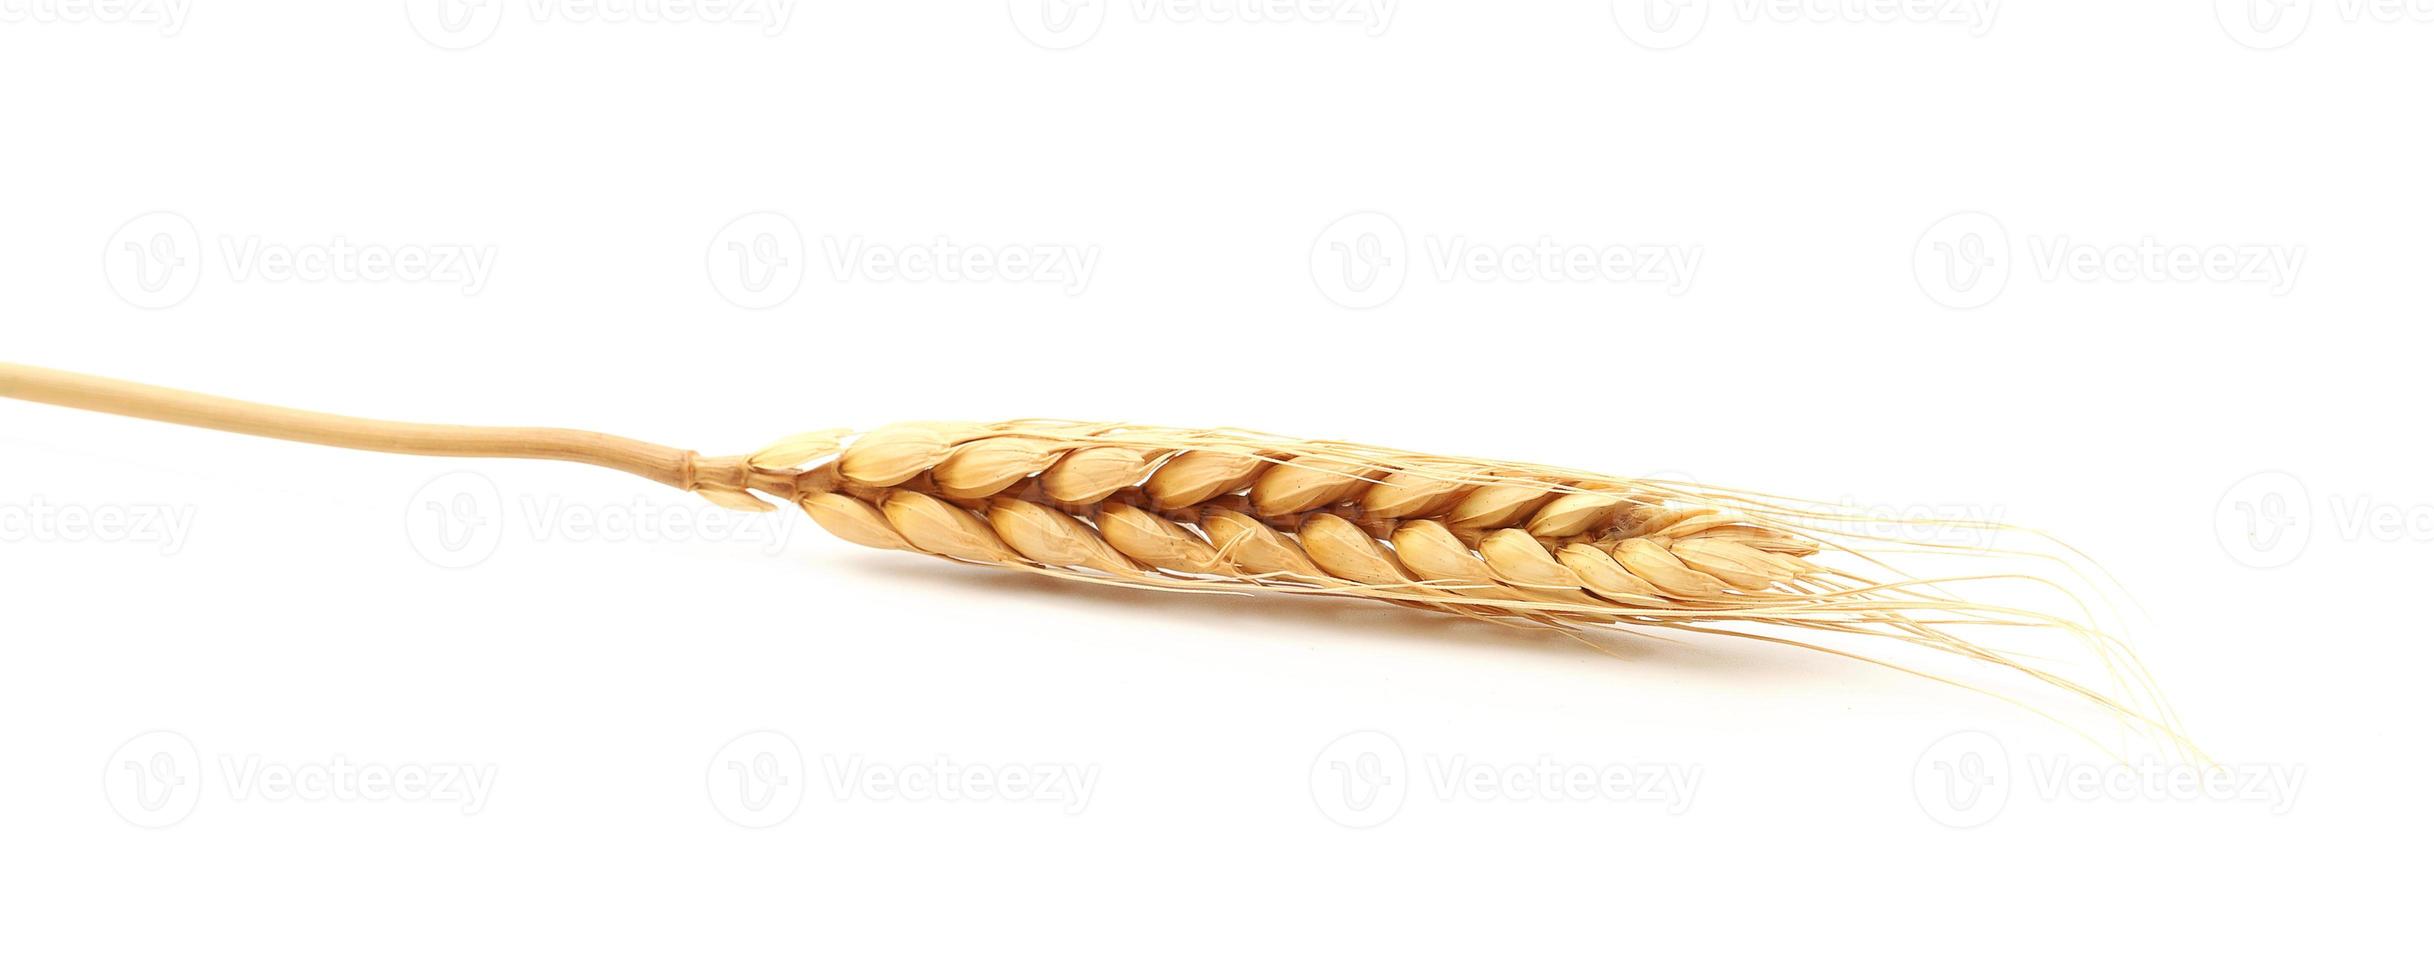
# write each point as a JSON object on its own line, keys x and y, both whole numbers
{"x": 678, "y": 468}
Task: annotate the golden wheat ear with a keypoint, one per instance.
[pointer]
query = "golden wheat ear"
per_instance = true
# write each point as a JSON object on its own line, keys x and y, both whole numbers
{"x": 1221, "y": 510}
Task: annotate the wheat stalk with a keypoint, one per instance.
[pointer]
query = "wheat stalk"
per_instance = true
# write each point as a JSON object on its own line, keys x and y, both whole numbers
{"x": 1219, "y": 510}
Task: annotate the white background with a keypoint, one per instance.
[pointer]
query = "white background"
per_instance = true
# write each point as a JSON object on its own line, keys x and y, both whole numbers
{"x": 1839, "y": 338}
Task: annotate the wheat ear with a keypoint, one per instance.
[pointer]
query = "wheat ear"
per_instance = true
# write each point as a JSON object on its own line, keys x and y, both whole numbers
{"x": 1228, "y": 511}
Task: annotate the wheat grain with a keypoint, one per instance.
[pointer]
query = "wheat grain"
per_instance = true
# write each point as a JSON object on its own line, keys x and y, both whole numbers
{"x": 1199, "y": 506}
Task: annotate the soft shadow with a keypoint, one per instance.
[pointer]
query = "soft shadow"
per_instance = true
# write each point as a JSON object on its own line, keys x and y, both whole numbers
{"x": 1642, "y": 649}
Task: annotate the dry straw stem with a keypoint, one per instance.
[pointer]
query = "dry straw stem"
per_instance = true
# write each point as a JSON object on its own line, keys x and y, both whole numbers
{"x": 1222, "y": 510}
